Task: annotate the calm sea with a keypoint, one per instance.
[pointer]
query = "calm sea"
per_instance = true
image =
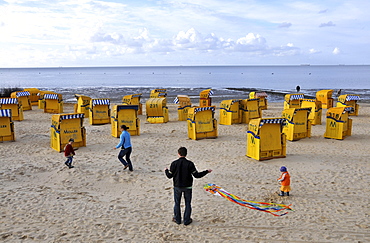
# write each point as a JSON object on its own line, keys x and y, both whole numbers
{"x": 227, "y": 82}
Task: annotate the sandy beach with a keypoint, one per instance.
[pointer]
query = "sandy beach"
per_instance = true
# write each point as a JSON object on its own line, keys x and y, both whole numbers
{"x": 43, "y": 201}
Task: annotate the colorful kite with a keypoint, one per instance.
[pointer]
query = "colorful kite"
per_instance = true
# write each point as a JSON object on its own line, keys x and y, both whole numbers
{"x": 272, "y": 208}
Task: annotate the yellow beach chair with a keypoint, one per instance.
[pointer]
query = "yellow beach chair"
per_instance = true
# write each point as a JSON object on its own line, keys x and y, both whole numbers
{"x": 184, "y": 104}
{"x": 349, "y": 100}
{"x": 205, "y": 99}
{"x": 99, "y": 112}
{"x": 293, "y": 100}
{"x": 338, "y": 123}
{"x": 66, "y": 126}
{"x": 158, "y": 93}
{"x": 14, "y": 106}
{"x": 83, "y": 105}
{"x": 23, "y": 99}
{"x": 265, "y": 139}
{"x": 53, "y": 103}
{"x": 262, "y": 96}
{"x": 316, "y": 110}
{"x": 297, "y": 124}
{"x": 157, "y": 110}
{"x": 133, "y": 99}
{"x": 250, "y": 109}
{"x": 34, "y": 95}
{"x": 201, "y": 123}
{"x": 125, "y": 115}
{"x": 6, "y": 125}
{"x": 230, "y": 112}
{"x": 325, "y": 96}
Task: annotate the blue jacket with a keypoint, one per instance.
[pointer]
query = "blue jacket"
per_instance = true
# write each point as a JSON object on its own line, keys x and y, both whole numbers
{"x": 124, "y": 140}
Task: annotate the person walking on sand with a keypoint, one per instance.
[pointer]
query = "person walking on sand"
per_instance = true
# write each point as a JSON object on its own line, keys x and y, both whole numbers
{"x": 339, "y": 92}
{"x": 182, "y": 172}
{"x": 284, "y": 180}
{"x": 68, "y": 153}
{"x": 126, "y": 149}
{"x": 298, "y": 88}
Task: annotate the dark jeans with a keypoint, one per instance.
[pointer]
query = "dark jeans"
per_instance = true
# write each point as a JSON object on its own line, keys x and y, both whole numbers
{"x": 125, "y": 152}
{"x": 69, "y": 160}
{"x": 177, "y": 210}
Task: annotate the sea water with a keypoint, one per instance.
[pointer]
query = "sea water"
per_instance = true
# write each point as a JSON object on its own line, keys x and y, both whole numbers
{"x": 227, "y": 82}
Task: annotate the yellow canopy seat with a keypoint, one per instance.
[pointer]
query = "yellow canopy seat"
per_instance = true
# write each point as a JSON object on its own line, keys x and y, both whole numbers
{"x": 133, "y": 99}
{"x": 83, "y": 104}
{"x": 262, "y": 96}
{"x": 23, "y": 99}
{"x": 157, "y": 110}
{"x": 14, "y": 106}
{"x": 230, "y": 112}
{"x": 325, "y": 96}
{"x": 316, "y": 110}
{"x": 99, "y": 112}
{"x": 125, "y": 115}
{"x": 34, "y": 95}
{"x": 67, "y": 126}
{"x": 338, "y": 123}
{"x": 6, "y": 126}
{"x": 349, "y": 100}
{"x": 201, "y": 123}
{"x": 297, "y": 124}
{"x": 250, "y": 109}
{"x": 265, "y": 139}
{"x": 184, "y": 104}
{"x": 205, "y": 98}
{"x": 158, "y": 93}
{"x": 53, "y": 103}
{"x": 293, "y": 100}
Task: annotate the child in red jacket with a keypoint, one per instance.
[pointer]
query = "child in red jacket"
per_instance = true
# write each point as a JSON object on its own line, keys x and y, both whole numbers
{"x": 68, "y": 153}
{"x": 284, "y": 179}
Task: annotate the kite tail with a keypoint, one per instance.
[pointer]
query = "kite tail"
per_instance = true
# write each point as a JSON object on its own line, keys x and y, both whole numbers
{"x": 271, "y": 208}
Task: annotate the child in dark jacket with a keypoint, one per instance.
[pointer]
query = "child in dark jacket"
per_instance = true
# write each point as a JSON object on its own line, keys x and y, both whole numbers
{"x": 68, "y": 153}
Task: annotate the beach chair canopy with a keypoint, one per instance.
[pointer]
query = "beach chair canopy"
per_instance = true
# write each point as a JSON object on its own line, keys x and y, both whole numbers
{"x": 5, "y": 113}
{"x": 8, "y": 101}
{"x": 23, "y": 93}
{"x": 100, "y": 102}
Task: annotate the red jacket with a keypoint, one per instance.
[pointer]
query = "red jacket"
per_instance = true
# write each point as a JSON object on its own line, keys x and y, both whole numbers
{"x": 68, "y": 150}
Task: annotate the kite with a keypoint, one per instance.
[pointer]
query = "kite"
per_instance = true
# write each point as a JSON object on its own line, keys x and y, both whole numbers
{"x": 272, "y": 208}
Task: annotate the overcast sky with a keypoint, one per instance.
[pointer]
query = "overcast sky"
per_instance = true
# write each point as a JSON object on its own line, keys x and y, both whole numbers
{"x": 39, "y": 33}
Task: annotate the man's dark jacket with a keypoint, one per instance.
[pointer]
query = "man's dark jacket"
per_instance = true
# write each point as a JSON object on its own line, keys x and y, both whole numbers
{"x": 182, "y": 172}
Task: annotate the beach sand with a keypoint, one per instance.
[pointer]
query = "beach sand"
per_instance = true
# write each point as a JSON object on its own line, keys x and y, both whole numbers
{"x": 44, "y": 201}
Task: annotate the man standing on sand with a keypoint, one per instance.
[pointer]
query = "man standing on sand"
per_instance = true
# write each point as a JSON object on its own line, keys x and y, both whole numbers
{"x": 126, "y": 149}
{"x": 182, "y": 172}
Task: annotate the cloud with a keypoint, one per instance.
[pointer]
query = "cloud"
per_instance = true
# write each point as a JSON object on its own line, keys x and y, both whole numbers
{"x": 328, "y": 24}
{"x": 285, "y": 25}
{"x": 104, "y": 37}
{"x": 252, "y": 44}
{"x": 287, "y": 50}
{"x": 314, "y": 51}
{"x": 336, "y": 51}
{"x": 323, "y": 11}
{"x": 188, "y": 39}
{"x": 165, "y": 30}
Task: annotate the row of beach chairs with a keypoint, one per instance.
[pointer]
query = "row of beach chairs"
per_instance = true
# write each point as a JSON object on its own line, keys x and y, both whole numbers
{"x": 266, "y": 137}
